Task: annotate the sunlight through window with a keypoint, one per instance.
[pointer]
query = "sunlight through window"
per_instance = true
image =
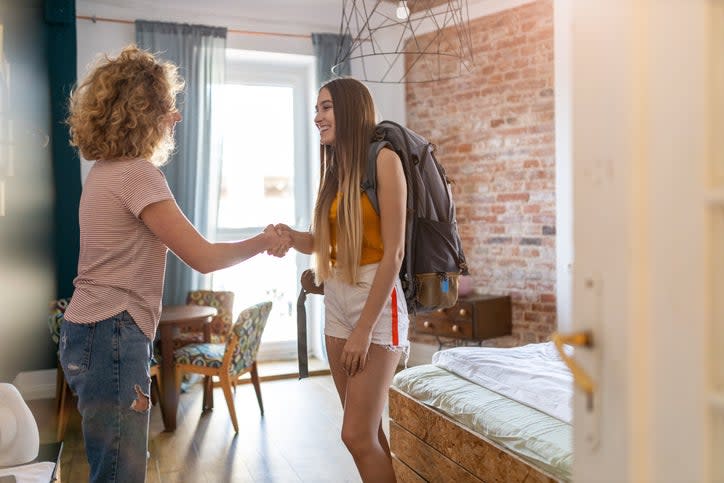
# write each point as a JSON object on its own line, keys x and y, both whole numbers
{"x": 257, "y": 188}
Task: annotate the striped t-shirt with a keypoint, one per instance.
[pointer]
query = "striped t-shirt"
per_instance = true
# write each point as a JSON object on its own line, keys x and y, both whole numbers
{"x": 121, "y": 263}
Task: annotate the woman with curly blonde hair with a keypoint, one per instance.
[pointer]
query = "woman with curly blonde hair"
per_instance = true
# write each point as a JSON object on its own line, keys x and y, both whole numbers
{"x": 122, "y": 115}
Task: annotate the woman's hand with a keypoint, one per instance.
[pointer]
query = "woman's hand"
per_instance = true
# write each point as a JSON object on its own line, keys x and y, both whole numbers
{"x": 284, "y": 233}
{"x": 301, "y": 241}
{"x": 280, "y": 241}
{"x": 354, "y": 353}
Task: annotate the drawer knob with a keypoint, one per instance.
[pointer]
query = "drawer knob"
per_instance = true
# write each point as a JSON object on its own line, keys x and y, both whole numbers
{"x": 426, "y": 324}
{"x": 441, "y": 310}
{"x": 456, "y": 328}
{"x": 463, "y": 312}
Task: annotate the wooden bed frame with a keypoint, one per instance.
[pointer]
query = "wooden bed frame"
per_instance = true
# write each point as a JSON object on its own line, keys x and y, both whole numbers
{"x": 427, "y": 445}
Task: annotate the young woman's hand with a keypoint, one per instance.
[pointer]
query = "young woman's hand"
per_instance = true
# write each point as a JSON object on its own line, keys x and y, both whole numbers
{"x": 301, "y": 241}
{"x": 354, "y": 353}
{"x": 286, "y": 236}
{"x": 279, "y": 242}
{"x": 281, "y": 227}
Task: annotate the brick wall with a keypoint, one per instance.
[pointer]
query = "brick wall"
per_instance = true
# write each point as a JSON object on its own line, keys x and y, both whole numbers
{"x": 494, "y": 130}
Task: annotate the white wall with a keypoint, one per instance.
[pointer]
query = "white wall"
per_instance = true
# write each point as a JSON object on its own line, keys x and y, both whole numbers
{"x": 296, "y": 18}
{"x": 564, "y": 165}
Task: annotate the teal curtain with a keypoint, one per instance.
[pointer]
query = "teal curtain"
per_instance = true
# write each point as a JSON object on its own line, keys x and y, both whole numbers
{"x": 199, "y": 52}
{"x": 62, "y": 60}
{"x": 327, "y": 49}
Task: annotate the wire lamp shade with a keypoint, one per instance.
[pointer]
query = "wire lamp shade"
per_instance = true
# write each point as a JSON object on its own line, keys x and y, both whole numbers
{"x": 406, "y": 41}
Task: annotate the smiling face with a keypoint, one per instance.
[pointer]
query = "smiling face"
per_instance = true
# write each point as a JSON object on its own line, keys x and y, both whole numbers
{"x": 324, "y": 119}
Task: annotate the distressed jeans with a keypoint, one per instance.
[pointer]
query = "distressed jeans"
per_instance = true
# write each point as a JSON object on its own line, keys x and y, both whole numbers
{"x": 106, "y": 365}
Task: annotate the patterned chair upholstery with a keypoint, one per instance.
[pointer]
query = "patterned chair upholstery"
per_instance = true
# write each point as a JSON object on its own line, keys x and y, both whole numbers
{"x": 230, "y": 360}
{"x": 56, "y": 312}
{"x": 56, "y": 315}
{"x": 220, "y": 325}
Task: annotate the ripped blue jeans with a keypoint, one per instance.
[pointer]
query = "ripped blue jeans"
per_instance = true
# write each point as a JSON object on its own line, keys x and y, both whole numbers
{"x": 106, "y": 365}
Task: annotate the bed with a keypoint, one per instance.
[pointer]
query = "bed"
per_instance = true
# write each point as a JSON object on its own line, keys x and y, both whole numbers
{"x": 483, "y": 414}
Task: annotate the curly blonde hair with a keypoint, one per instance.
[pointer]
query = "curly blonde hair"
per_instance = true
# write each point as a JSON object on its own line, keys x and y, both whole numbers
{"x": 121, "y": 109}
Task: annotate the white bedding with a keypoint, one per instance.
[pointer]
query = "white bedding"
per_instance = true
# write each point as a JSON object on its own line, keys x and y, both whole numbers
{"x": 533, "y": 374}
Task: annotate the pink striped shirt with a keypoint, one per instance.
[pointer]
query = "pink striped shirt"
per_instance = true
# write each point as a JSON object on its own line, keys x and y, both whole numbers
{"x": 122, "y": 263}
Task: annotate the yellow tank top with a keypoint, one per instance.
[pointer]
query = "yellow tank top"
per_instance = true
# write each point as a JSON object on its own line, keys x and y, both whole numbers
{"x": 372, "y": 248}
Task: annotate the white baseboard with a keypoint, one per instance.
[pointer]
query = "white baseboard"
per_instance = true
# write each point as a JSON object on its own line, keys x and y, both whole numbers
{"x": 36, "y": 384}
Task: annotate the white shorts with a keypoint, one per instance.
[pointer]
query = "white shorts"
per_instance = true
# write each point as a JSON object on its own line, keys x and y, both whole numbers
{"x": 343, "y": 305}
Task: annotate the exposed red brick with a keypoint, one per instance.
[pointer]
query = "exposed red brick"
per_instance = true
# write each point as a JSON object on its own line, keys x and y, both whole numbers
{"x": 523, "y": 197}
{"x": 531, "y": 316}
{"x": 494, "y": 129}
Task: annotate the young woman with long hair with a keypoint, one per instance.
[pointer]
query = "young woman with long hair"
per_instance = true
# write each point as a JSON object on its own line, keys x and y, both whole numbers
{"x": 357, "y": 255}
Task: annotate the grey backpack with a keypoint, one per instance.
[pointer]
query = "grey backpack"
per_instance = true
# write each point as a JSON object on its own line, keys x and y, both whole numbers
{"x": 434, "y": 258}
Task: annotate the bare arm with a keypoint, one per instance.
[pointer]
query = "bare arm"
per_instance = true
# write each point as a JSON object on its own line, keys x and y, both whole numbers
{"x": 392, "y": 197}
{"x": 166, "y": 220}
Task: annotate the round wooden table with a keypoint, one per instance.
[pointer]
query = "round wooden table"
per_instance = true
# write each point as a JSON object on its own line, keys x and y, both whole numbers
{"x": 173, "y": 316}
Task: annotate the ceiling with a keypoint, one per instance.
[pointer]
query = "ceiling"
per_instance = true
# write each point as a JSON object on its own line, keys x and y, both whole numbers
{"x": 418, "y": 5}
{"x": 292, "y": 16}
{"x": 238, "y": 13}
{"x": 228, "y": 5}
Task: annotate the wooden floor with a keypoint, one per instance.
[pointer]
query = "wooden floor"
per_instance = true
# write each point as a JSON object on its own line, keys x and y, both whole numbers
{"x": 298, "y": 439}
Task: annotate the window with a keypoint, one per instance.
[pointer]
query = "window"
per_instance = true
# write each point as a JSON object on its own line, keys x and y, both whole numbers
{"x": 266, "y": 176}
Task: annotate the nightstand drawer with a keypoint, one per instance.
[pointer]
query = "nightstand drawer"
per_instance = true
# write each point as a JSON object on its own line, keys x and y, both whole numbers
{"x": 476, "y": 318}
{"x": 462, "y": 312}
{"x": 438, "y": 324}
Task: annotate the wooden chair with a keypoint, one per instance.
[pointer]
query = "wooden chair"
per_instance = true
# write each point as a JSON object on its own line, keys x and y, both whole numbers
{"x": 63, "y": 394}
{"x": 220, "y": 325}
{"x": 230, "y": 360}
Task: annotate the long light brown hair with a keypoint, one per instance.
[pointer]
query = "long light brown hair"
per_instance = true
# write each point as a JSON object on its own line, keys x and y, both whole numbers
{"x": 343, "y": 167}
{"x": 120, "y": 110}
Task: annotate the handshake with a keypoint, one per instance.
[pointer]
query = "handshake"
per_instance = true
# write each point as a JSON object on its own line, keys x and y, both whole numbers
{"x": 279, "y": 239}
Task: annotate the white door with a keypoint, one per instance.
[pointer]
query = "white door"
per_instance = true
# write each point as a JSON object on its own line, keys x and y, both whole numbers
{"x": 266, "y": 178}
{"x": 640, "y": 85}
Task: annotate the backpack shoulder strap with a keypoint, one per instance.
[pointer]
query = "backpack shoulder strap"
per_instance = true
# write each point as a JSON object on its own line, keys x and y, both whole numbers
{"x": 369, "y": 183}
{"x": 387, "y": 134}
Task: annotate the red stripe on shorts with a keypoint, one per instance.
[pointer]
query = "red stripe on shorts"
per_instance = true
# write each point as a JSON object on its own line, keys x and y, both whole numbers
{"x": 395, "y": 336}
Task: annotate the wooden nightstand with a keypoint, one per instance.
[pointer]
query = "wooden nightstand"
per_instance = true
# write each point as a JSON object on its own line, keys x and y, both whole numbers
{"x": 473, "y": 319}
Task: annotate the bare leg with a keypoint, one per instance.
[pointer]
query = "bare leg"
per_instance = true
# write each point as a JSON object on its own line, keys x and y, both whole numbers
{"x": 383, "y": 442}
{"x": 334, "y": 354}
{"x": 364, "y": 396}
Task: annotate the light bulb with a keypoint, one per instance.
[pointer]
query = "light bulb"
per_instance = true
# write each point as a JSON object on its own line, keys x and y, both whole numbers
{"x": 403, "y": 11}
